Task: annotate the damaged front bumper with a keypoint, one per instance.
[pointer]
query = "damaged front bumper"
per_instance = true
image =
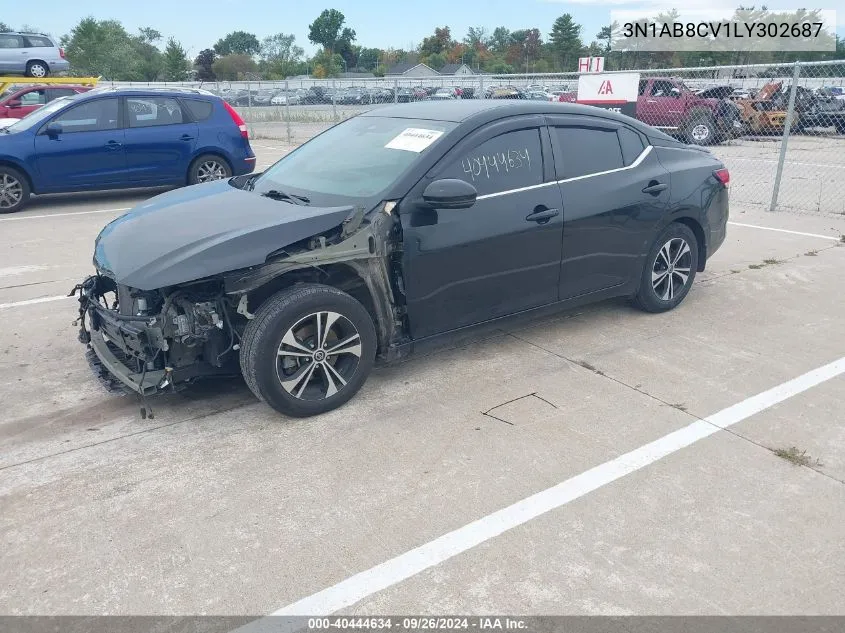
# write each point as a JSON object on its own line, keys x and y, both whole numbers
{"x": 122, "y": 350}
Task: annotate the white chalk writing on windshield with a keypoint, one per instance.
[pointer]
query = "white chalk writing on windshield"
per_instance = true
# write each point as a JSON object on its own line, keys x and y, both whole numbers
{"x": 491, "y": 165}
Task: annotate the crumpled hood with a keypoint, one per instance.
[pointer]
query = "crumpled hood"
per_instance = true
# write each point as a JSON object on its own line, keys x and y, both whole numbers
{"x": 203, "y": 230}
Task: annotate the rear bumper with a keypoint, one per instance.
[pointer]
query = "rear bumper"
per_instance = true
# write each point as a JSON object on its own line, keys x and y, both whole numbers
{"x": 718, "y": 215}
{"x": 59, "y": 65}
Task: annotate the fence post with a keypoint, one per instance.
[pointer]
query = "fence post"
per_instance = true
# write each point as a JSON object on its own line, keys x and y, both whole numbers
{"x": 287, "y": 109}
{"x": 334, "y": 99}
{"x": 790, "y": 112}
{"x": 395, "y": 91}
{"x": 481, "y": 87}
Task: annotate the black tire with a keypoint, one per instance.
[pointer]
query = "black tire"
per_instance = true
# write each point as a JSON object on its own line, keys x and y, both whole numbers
{"x": 654, "y": 293}
{"x": 840, "y": 126}
{"x": 37, "y": 68}
{"x": 13, "y": 186}
{"x": 701, "y": 130}
{"x": 199, "y": 170}
{"x": 264, "y": 368}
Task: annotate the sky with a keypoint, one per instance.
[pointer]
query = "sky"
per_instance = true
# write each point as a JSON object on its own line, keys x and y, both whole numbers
{"x": 378, "y": 23}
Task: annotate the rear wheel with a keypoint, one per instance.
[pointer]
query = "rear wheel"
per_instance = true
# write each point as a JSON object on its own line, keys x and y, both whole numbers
{"x": 308, "y": 350}
{"x": 37, "y": 69}
{"x": 208, "y": 167}
{"x": 14, "y": 190}
{"x": 669, "y": 270}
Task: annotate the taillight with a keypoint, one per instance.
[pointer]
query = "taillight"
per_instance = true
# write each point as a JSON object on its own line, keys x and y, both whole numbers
{"x": 62, "y": 53}
{"x": 237, "y": 119}
{"x": 723, "y": 175}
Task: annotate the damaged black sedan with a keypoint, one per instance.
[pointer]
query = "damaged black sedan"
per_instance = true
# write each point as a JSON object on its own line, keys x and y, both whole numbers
{"x": 392, "y": 230}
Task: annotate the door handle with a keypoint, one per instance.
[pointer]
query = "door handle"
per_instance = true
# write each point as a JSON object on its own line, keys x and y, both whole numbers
{"x": 541, "y": 215}
{"x": 186, "y": 137}
{"x": 655, "y": 187}
{"x": 114, "y": 145}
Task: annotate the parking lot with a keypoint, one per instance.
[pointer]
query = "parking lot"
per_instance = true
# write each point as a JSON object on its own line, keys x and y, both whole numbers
{"x": 602, "y": 461}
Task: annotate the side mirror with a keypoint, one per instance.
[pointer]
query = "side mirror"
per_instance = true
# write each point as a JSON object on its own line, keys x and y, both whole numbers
{"x": 53, "y": 129}
{"x": 676, "y": 93}
{"x": 450, "y": 193}
{"x": 14, "y": 103}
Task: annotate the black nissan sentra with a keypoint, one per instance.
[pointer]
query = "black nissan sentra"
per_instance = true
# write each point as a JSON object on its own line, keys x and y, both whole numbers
{"x": 388, "y": 232}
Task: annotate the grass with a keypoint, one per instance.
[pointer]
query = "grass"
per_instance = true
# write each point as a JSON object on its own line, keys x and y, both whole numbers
{"x": 797, "y": 457}
{"x": 772, "y": 262}
{"x": 811, "y": 253}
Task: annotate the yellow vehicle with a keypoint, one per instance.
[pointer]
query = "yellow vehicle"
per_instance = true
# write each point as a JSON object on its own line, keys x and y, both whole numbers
{"x": 6, "y": 81}
{"x": 762, "y": 114}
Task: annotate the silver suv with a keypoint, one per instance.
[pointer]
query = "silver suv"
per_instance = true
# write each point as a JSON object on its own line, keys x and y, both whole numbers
{"x": 33, "y": 54}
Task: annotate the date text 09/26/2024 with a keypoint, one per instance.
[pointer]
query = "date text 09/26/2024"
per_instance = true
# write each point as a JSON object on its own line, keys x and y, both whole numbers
{"x": 425, "y": 623}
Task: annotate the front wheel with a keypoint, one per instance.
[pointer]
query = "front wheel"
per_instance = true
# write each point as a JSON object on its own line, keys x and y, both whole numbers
{"x": 669, "y": 270}
{"x": 308, "y": 350}
{"x": 14, "y": 190}
{"x": 208, "y": 167}
{"x": 701, "y": 130}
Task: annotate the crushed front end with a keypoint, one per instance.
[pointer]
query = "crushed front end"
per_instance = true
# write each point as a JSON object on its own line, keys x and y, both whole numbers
{"x": 149, "y": 341}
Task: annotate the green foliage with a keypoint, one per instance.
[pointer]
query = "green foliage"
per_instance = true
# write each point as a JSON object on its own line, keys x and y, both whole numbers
{"x": 104, "y": 48}
{"x": 328, "y": 31}
{"x": 238, "y": 43}
{"x": 435, "y": 61}
{"x": 5, "y": 27}
{"x": 176, "y": 64}
{"x": 204, "y": 65}
{"x": 234, "y": 67}
{"x": 280, "y": 56}
{"x": 440, "y": 42}
{"x": 500, "y": 40}
{"x": 566, "y": 41}
{"x": 369, "y": 58}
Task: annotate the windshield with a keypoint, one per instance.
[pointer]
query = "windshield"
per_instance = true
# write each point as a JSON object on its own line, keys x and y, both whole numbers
{"x": 37, "y": 116}
{"x": 358, "y": 158}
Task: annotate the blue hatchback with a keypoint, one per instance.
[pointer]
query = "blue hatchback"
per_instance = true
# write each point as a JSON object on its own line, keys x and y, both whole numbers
{"x": 113, "y": 138}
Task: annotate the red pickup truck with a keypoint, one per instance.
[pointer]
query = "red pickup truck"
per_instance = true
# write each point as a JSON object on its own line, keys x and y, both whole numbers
{"x": 18, "y": 101}
{"x": 668, "y": 104}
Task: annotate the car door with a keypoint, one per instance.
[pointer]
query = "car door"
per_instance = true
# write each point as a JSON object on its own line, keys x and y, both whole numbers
{"x": 160, "y": 139}
{"x": 88, "y": 152}
{"x": 615, "y": 191}
{"x": 11, "y": 57}
{"x": 30, "y": 101}
{"x": 661, "y": 106}
{"x": 498, "y": 257}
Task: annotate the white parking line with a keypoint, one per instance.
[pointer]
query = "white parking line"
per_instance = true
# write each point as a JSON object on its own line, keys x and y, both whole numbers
{"x": 28, "y": 302}
{"x": 402, "y": 567}
{"x": 58, "y": 215}
{"x": 769, "y": 228}
{"x": 788, "y": 162}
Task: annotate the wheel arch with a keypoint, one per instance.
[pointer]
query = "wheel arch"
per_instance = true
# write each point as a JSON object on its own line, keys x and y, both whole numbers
{"x": 353, "y": 278}
{"x": 210, "y": 151}
{"x": 5, "y": 162}
{"x": 697, "y": 230}
{"x": 36, "y": 60}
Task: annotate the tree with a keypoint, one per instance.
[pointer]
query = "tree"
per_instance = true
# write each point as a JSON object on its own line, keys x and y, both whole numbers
{"x": 440, "y": 42}
{"x": 176, "y": 63}
{"x": 280, "y": 56}
{"x": 4, "y": 27}
{"x": 327, "y": 31}
{"x": 238, "y": 43}
{"x": 149, "y": 58}
{"x": 436, "y": 61}
{"x": 477, "y": 35}
{"x": 500, "y": 40}
{"x": 204, "y": 65}
{"x": 101, "y": 47}
{"x": 233, "y": 67}
{"x": 369, "y": 57}
{"x": 566, "y": 40}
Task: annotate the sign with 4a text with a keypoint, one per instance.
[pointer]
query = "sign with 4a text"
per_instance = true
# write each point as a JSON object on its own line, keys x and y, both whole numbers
{"x": 611, "y": 91}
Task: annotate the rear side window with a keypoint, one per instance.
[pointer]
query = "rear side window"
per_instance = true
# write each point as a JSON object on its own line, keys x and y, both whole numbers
{"x": 588, "y": 150}
{"x": 151, "y": 111}
{"x": 38, "y": 42}
{"x": 55, "y": 93}
{"x": 199, "y": 110}
{"x": 632, "y": 144}
{"x": 33, "y": 97}
{"x": 508, "y": 161}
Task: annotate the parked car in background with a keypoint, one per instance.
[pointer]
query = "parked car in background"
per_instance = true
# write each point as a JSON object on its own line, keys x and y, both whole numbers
{"x": 405, "y": 95}
{"x": 291, "y": 97}
{"x": 354, "y": 96}
{"x": 18, "y": 101}
{"x": 444, "y": 94}
{"x": 30, "y": 54}
{"x": 506, "y": 92}
{"x": 537, "y": 95}
{"x": 669, "y": 105}
{"x": 420, "y": 94}
{"x": 264, "y": 97}
{"x": 121, "y": 138}
{"x": 453, "y": 211}
{"x": 837, "y": 92}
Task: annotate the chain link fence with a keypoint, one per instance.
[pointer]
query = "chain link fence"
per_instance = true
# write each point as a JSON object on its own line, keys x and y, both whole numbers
{"x": 780, "y": 128}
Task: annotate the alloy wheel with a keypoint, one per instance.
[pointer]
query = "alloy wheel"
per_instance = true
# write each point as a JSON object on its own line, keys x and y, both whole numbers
{"x": 11, "y": 191}
{"x": 671, "y": 270}
{"x": 210, "y": 170}
{"x": 318, "y": 356}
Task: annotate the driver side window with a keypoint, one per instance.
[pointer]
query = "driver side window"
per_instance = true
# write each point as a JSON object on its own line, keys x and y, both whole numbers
{"x": 662, "y": 89}
{"x": 90, "y": 116}
{"x": 509, "y": 161}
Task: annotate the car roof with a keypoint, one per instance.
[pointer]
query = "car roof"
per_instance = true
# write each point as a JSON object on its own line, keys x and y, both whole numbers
{"x": 148, "y": 92}
{"x": 484, "y": 110}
